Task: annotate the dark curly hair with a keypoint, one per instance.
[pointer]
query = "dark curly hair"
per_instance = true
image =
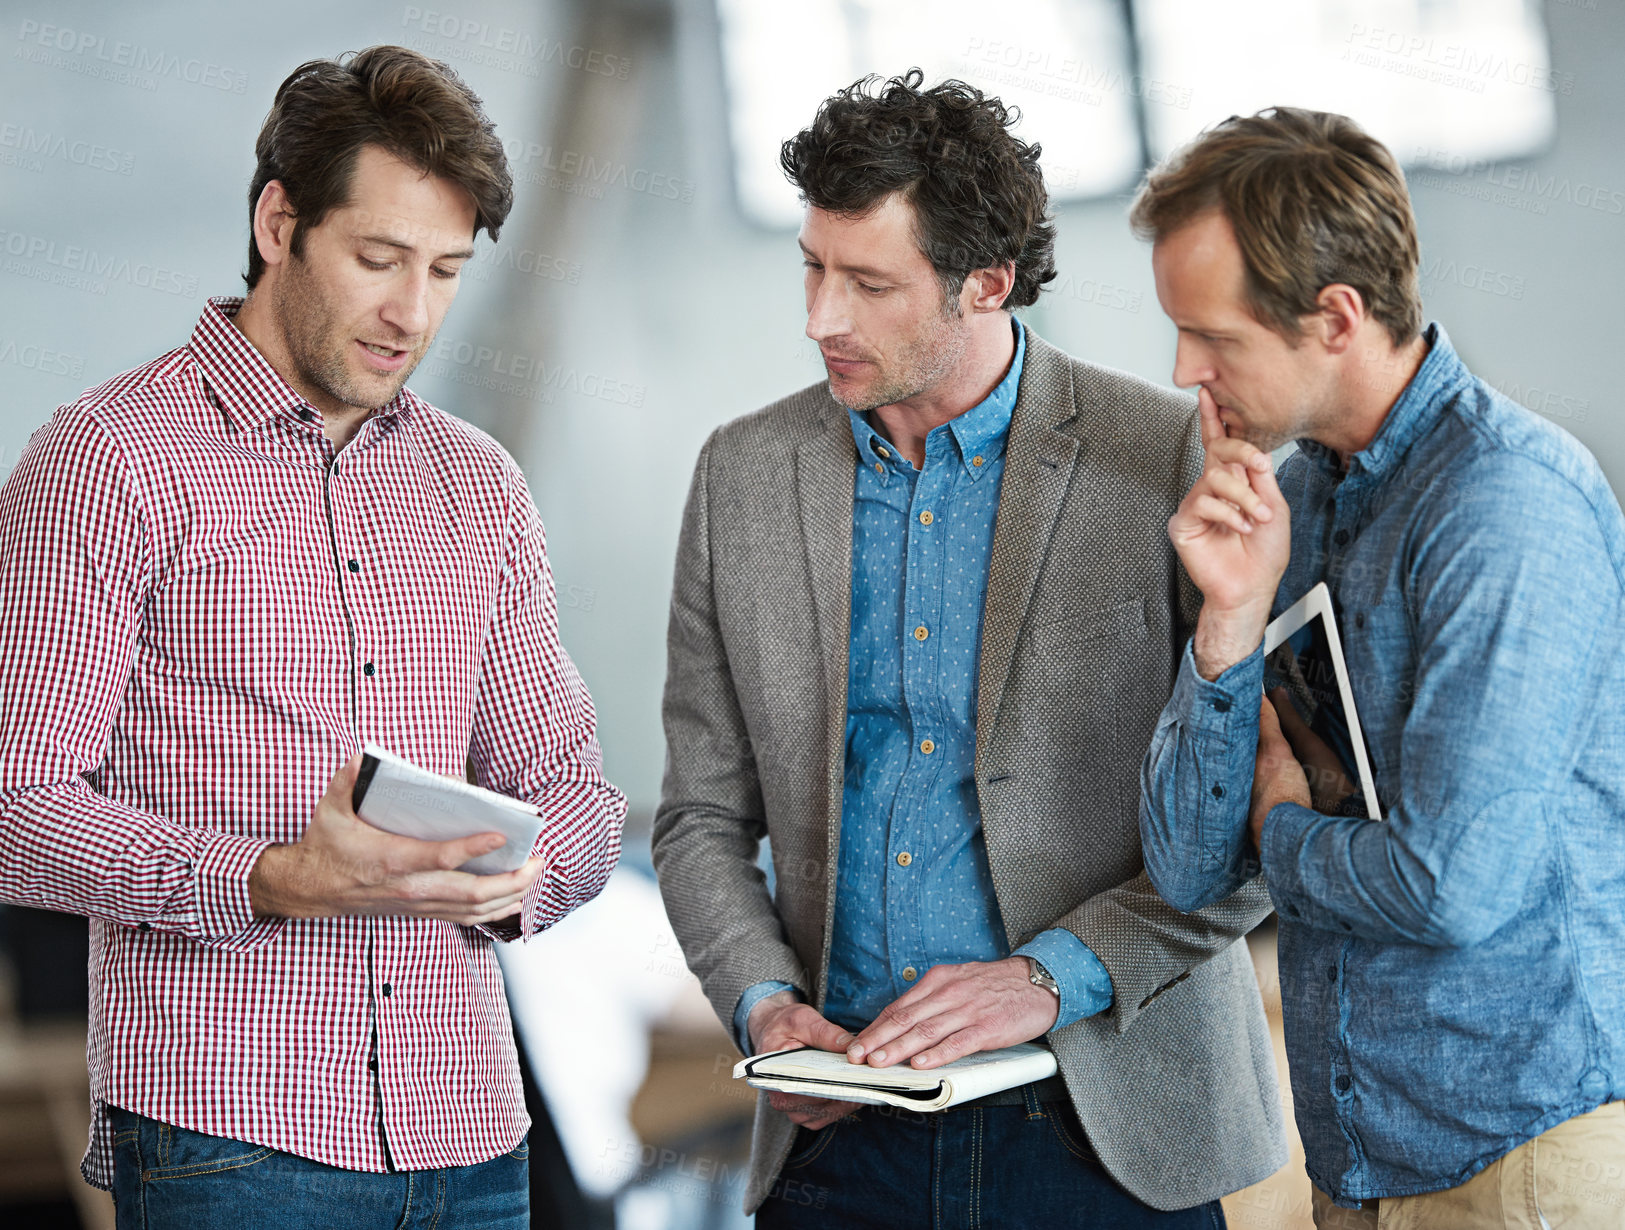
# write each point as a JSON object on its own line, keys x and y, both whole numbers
{"x": 398, "y": 99}
{"x": 977, "y": 192}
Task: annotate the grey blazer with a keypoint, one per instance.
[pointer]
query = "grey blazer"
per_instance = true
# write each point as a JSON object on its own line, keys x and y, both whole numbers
{"x": 1086, "y": 613}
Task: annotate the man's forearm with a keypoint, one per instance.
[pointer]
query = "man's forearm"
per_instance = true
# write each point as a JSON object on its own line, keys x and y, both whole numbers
{"x": 718, "y": 904}
{"x": 1196, "y": 783}
{"x": 1149, "y": 946}
{"x": 581, "y": 845}
{"x": 1225, "y": 638}
{"x": 65, "y": 847}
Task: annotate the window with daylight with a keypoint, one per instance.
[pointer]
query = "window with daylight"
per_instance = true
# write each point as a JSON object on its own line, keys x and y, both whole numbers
{"x": 1105, "y": 84}
{"x": 1439, "y": 82}
{"x": 1065, "y": 63}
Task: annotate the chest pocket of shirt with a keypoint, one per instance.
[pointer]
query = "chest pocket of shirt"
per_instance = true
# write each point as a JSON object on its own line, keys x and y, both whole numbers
{"x": 1081, "y": 636}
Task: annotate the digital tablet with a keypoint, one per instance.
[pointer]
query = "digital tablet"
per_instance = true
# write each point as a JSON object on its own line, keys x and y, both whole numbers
{"x": 399, "y": 797}
{"x": 1304, "y": 655}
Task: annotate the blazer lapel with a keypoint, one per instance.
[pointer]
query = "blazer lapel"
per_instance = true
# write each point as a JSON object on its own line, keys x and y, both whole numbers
{"x": 1039, "y": 463}
{"x": 825, "y": 472}
{"x": 826, "y": 468}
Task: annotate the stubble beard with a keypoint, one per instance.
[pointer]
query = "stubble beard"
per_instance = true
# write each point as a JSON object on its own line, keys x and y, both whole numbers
{"x": 1265, "y": 438}
{"x": 319, "y": 347}
{"x": 1263, "y": 441}
{"x": 922, "y": 365}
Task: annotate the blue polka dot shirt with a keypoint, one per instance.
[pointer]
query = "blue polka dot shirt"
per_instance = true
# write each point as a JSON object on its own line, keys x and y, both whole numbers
{"x": 913, "y": 884}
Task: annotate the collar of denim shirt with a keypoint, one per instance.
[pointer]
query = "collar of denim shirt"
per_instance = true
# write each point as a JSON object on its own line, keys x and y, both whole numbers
{"x": 1441, "y": 374}
{"x": 980, "y": 432}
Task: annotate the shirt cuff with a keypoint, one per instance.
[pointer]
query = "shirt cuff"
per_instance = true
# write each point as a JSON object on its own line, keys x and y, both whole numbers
{"x": 528, "y": 920}
{"x": 225, "y": 911}
{"x": 1086, "y": 987}
{"x": 753, "y": 995}
{"x": 1208, "y": 704}
{"x": 1221, "y": 719}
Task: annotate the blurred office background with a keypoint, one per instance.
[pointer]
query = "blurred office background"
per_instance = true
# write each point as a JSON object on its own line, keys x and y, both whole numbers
{"x": 647, "y": 289}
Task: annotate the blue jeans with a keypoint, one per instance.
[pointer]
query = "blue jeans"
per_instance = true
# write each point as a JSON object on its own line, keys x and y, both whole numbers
{"x": 1027, "y": 1167}
{"x": 167, "y": 1177}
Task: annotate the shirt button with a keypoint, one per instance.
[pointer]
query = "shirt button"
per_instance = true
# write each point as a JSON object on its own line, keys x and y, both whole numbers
{"x": 879, "y": 469}
{"x": 927, "y": 746}
{"x": 920, "y": 633}
{"x": 1343, "y": 1084}
{"x": 388, "y": 990}
{"x": 355, "y": 566}
{"x": 904, "y": 859}
{"x": 1221, "y": 706}
{"x": 306, "y": 413}
{"x": 369, "y": 670}
{"x": 372, "y": 1064}
{"x": 926, "y": 518}
{"x": 910, "y": 973}
{"x": 976, "y": 461}
{"x": 1341, "y": 537}
{"x": 883, "y": 452}
{"x": 146, "y": 926}
{"x": 1218, "y": 792}
{"x": 1359, "y": 620}
{"x": 1331, "y": 973}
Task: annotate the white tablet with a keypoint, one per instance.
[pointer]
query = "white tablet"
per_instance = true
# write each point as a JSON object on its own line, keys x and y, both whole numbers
{"x": 1304, "y": 655}
{"x": 399, "y": 797}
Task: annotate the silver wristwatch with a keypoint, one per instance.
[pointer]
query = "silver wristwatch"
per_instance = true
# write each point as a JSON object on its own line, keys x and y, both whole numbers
{"x": 1040, "y": 977}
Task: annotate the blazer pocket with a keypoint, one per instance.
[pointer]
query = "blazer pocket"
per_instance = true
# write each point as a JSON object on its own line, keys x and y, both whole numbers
{"x": 1078, "y": 634}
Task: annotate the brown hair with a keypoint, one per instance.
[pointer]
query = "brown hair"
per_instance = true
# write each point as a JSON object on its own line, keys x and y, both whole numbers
{"x": 977, "y": 192}
{"x": 1313, "y": 199}
{"x": 415, "y": 108}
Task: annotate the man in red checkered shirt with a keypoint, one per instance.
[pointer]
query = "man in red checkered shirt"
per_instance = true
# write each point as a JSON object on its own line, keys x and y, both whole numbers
{"x": 221, "y": 574}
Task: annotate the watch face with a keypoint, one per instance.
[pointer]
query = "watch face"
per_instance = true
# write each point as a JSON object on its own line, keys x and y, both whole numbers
{"x": 1040, "y": 977}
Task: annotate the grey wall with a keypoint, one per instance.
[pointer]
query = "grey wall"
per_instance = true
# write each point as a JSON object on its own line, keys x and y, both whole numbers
{"x": 619, "y": 328}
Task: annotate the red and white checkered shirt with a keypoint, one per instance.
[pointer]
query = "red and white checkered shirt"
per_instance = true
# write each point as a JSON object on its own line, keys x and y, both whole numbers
{"x": 204, "y": 612}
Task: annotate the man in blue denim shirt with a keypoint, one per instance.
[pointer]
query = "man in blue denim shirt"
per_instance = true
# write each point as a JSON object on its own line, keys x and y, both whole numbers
{"x": 1452, "y": 979}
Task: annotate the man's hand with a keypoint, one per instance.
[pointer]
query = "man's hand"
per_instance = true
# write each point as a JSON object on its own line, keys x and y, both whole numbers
{"x": 343, "y": 865}
{"x": 1329, "y": 785}
{"x": 1233, "y": 534}
{"x": 957, "y": 1010}
{"x": 1277, "y": 775}
{"x": 782, "y": 1021}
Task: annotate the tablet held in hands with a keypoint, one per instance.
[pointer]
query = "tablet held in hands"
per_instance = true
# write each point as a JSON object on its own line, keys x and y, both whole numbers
{"x": 397, "y": 796}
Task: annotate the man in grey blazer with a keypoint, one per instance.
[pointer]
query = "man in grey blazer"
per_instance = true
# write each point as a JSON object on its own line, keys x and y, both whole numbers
{"x": 924, "y": 619}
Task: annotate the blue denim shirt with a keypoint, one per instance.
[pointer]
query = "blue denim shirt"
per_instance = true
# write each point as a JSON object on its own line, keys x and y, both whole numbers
{"x": 1453, "y": 976}
{"x": 913, "y": 885}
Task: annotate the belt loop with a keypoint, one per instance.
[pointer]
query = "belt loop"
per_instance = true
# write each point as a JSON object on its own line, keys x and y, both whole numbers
{"x": 1029, "y": 1094}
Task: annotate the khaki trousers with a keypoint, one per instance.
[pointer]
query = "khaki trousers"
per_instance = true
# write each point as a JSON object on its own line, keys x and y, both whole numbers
{"x": 1571, "y": 1177}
